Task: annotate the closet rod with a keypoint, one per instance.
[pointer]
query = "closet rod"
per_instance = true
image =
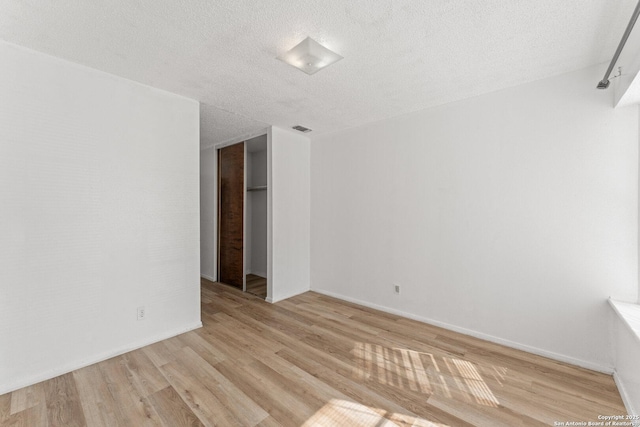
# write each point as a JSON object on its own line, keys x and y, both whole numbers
{"x": 604, "y": 83}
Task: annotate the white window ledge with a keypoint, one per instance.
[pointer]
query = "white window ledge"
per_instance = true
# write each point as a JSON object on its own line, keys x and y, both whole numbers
{"x": 629, "y": 313}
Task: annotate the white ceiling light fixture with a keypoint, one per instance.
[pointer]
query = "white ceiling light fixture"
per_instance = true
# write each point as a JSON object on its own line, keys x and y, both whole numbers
{"x": 309, "y": 56}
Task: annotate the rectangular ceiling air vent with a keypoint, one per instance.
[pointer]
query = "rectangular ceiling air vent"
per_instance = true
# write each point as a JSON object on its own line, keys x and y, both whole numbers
{"x": 301, "y": 128}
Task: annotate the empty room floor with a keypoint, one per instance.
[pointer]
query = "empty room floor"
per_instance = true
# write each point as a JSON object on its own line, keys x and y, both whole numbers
{"x": 314, "y": 360}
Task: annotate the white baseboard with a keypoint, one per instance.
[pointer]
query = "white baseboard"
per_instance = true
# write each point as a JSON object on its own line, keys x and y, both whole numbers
{"x": 624, "y": 394}
{"x": 208, "y": 277}
{"x": 47, "y": 375}
{"x": 274, "y": 300}
{"x": 518, "y": 346}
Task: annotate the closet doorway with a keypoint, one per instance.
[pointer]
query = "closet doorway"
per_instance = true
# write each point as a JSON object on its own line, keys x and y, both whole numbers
{"x": 242, "y": 215}
{"x": 256, "y": 220}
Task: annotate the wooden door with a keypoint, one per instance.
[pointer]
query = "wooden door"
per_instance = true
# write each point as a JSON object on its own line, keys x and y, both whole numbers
{"x": 231, "y": 215}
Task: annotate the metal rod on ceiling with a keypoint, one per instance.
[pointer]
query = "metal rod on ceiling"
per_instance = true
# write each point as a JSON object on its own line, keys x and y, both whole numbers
{"x": 604, "y": 83}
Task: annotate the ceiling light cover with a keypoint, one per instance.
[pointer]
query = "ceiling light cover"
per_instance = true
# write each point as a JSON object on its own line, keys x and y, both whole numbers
{"x": 310, "y": 56}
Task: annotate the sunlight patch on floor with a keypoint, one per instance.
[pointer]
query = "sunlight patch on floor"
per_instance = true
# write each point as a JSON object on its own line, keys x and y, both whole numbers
{"x": 425, "y": 373}
{"x": 477, "y": 387}
{"x": 339, "y": 413}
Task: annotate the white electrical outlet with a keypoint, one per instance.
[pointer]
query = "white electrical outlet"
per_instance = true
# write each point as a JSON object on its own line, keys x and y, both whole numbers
{"x": 142, "y": 313}
{"x": 397, "y": 288}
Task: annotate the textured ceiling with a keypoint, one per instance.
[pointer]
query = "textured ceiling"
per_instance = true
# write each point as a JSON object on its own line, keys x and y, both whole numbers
{"x": 400, "y": 55}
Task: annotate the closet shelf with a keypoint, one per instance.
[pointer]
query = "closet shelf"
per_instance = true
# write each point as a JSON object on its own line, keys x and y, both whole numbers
{"x": 257, "y": 188}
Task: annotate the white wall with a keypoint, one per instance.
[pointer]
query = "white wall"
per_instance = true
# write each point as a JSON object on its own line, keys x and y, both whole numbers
{"x": 98, "y": 216}
{"x": 511, "y": 216}
{"x": 208, "y": 206}
{"x": 257, "y": 214}
{"x": 290, "y": 203}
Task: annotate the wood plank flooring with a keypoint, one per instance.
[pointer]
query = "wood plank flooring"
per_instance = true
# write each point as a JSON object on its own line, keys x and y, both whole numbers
{"x": 314, "y": 361}
{"x": 257, "y": 285}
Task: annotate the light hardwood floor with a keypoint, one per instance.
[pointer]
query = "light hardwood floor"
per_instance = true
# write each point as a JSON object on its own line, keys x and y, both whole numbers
{"x": 314, "y": 360}
{"x": 257, "y": 285}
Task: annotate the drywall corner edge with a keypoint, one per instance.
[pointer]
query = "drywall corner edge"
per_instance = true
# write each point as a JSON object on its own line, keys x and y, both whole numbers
{"x": 269, "y": 297}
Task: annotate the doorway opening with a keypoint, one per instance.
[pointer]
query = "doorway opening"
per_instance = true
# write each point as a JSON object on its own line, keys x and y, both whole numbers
{"x": 242, "y": 215}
